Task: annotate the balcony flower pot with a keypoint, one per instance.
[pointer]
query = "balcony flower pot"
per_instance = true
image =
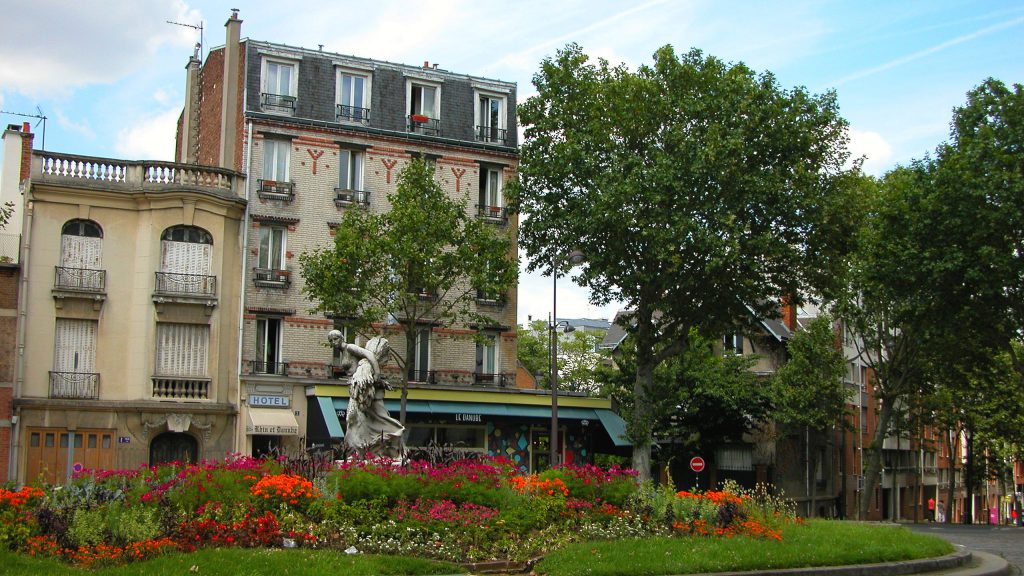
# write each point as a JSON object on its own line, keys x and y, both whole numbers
{"x": 419, "y": 118}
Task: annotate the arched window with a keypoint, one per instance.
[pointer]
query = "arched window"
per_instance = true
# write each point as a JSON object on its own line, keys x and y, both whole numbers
{"x": 173, "y": 447}
{"x": 186, "y": 250}
{"x": 81, "y": 256}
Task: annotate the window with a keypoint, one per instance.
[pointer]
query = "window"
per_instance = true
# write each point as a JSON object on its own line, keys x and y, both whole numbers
{"x": 276, "y": 154}
{"x": 74, "y": 360}
{"x": 181, "y": 349}
{"x": 732, "y": 344}
{"x": 424, "y": 105}
{"x": 272, "y": 248}
{"x": 739, "y": 458}
{"x": 279, "y": 86}
{"x": 268, "y": 346}
{"x": 420, "y": 371}
{"x": 350, "y": 167}
{"x": 490, "y": 118}
{"x": 460, "y": 437}
{"x": 186, "y": 253}
{"x": 490, "y": 205}
{"x": 81, "y": 257}
{"x": 353, "y": 96}
{"x": 486, "y": 360}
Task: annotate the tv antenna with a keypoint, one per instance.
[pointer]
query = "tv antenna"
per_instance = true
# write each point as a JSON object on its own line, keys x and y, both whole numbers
{"x": 199, "y": 47}
{"x": 39, "y": 115}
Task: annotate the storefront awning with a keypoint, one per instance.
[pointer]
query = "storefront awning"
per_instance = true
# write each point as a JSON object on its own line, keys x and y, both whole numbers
{"x": 272, "y": 422}
{"x": 612, "y": 423}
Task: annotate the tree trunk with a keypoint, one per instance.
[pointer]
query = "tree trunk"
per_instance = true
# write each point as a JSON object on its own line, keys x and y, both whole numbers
{"x": 410, "y": 356}
{"x": 642, "y": 415}
{"x": 969, "y": 476}
{"x": 951, "y": 489}
{"x": 874, "y": 466}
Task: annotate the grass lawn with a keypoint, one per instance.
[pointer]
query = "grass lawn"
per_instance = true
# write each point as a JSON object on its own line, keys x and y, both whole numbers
{"x": 239, "y": 562}
{"x": 818, "y": 543}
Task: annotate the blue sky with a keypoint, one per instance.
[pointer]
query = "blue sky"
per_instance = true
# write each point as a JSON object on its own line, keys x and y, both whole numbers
{"x": 109, "y": 74}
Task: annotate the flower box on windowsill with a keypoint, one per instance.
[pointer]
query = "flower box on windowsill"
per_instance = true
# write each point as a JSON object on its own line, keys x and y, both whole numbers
{"x": 419, "y": 118}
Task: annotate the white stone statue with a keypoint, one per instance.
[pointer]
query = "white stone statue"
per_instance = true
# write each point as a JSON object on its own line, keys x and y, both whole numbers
{"x": 369, "y": 426}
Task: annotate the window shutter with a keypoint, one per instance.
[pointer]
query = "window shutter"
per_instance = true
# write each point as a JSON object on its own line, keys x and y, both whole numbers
{"x": 182, "y": 349}
{"x": 75, "y": 346}
{"x": 81, "y": 252}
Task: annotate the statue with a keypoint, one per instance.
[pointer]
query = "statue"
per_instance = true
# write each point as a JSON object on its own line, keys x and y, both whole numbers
{"x": 369, "y": 426}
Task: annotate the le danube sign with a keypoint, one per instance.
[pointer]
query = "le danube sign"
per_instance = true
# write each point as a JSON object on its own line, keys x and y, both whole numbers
{"x": 468, "y": 418}
{"x": 266, "y": 401}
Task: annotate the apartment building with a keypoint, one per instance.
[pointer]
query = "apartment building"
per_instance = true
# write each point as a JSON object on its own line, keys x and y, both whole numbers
{"x": 126, "y": 307}
{"x": 320, "y": 134}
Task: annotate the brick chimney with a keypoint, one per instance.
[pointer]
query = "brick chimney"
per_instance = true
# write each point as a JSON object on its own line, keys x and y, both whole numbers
{"x": 189, "y": 144}
{"x": 789, "y": 313}
{"x": 229, "y": 110}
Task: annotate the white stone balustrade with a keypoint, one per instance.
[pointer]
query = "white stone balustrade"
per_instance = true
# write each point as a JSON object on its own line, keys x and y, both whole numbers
{"x": 134, "y": 175}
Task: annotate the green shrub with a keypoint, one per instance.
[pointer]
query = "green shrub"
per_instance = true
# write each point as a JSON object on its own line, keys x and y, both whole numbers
{"x": 128, "y": 524}
{"x": 88, "y": 527}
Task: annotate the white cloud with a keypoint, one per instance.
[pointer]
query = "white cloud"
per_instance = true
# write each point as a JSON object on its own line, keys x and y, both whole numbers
{"x": 85, "y": 43}
{"x": 535, "y": 293}
{"x": 151, "y": 138}
{"x": 80, "y": 127}
{"x": 875, "y": 149}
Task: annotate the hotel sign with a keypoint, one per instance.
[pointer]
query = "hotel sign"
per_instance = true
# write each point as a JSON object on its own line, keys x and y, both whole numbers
{"x": 265, "y": 401}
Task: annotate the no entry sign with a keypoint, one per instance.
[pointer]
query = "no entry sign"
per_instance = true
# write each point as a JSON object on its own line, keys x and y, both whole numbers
{"x": 696, "y": 463}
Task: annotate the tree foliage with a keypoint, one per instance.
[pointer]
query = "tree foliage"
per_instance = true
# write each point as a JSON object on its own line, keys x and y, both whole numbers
{"x": 698, "y": 190}
{"x": 578, "y": 358}
{"x": 809, "y": 390}
{"x": 419, "y": 264}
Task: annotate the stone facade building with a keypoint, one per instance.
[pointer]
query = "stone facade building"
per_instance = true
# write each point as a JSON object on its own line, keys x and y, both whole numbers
{"x": 126, "y": 300}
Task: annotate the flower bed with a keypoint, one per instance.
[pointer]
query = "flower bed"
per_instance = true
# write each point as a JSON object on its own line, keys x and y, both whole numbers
{"x": 466, "y": 511}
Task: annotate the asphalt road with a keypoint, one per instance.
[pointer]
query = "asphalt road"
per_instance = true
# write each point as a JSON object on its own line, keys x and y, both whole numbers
{"x": 1005, "y": 541}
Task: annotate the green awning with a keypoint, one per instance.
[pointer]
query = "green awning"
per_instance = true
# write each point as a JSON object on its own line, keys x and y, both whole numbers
{"x": 330, "y": 418}
{"x": 613, "y": 424}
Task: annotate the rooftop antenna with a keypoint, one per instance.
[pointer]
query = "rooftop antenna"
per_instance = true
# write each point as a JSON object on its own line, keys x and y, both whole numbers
{"x": 199, "y": 51}
{"x": 40, "y": 116}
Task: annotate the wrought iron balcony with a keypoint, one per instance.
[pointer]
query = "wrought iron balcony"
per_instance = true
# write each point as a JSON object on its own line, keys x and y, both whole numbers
{"x": 492, "y": 135}
{"x": 352, "y": 114}
{"x": 275, "y": 190}
{"x": 347, "y": 197}
{"x": 275, "y": 368}
{"x": 485, "y": 379}
{"x": 277, "y": 102}
{"x": 186, "y": 284}
{"x": 75, "y": 385}
{"x": 423, "y": 376}
{"x": 421, "y": 124}
{"x": 188, "y": 388}
{"x": 270, "y": 278}
{"x": 497, "y": 214}
{"x": 81, "y": 279}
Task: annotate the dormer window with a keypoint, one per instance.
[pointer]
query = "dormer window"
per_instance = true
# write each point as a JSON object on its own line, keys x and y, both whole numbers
{"x": 353, "y": 96}
{"x": 424, "y": 105}
{"x": 490, "y": 118}
{"x": 279, "y": 86}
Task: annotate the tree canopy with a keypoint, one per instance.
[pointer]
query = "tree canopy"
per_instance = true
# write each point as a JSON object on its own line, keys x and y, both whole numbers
{"x": 422, "y": 263}
{"x": 699, "y": 191}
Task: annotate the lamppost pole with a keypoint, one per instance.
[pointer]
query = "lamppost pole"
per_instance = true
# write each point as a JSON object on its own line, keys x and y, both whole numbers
{"x": 553, "y": 458}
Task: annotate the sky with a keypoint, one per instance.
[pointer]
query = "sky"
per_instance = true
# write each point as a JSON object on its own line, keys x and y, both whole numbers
{"x": 109, "y": 75}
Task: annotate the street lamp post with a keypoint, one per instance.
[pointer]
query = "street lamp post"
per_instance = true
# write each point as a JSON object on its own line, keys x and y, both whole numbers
{"x": 573, "y": 258}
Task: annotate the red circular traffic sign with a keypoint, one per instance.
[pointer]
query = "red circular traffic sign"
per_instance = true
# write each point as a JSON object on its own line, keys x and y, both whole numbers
{"x": 696, "y": 463}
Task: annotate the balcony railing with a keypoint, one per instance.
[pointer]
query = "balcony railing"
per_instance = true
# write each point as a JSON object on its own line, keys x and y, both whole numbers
{"x": 186, "y": 388}
{"x": 275, "y": 368}
{"x": 484, "y": 379}
{"x": 423, "y": 376}
{"x": 346, "y": 197}
{"x": 270, "y": 278}
{"x": 423, "y": 293}
{"x": 122, "y": 175}
{"x": 277, "y": 102}
{"x": 275, "y": 190}
{"x": 492, "y": 213}
{"x": 186, "y": 284}
{"x": 353, "y": 113}
{"x": 491, "y": 134}
{"x": 75, "y": 385}
{"x": 423, "y": 125}
{"x": 83, "y": 279}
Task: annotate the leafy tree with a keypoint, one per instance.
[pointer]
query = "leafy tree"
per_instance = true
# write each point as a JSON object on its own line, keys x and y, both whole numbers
{"x": 578, "y": 359}
{"x": 420, "y": 264}
{"x": 6, "y": 211}
{"x": 698, "y": 190}
{"x": 808, "y": 389}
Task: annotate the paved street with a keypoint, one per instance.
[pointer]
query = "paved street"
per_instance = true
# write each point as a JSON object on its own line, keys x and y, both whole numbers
{"x": 1005, "y": 541}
